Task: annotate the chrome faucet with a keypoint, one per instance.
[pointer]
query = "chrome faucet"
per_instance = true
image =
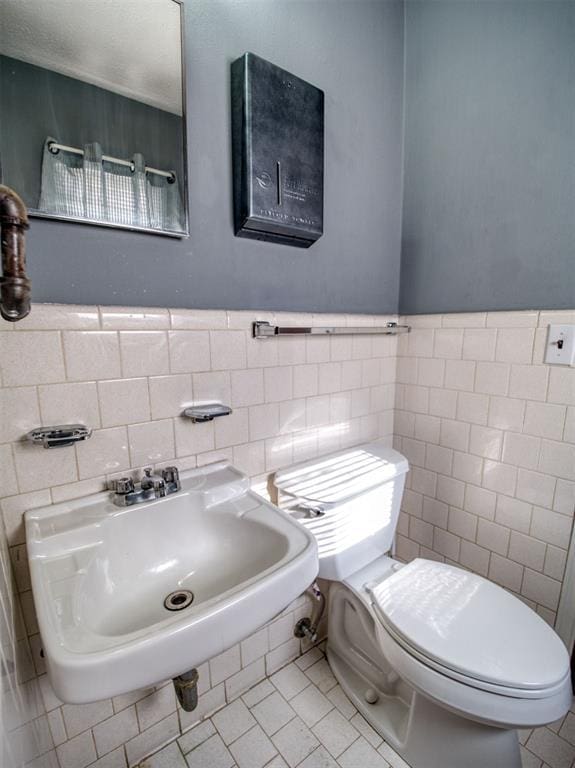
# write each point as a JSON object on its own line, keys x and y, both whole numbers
{"x": 152, "y": 486}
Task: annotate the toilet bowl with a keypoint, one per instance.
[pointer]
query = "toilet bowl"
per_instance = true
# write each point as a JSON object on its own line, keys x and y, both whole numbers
{"x": 444, "y": 664}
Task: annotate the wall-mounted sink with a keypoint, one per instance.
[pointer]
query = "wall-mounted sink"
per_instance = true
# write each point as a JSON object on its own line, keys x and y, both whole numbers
{"x": 101, "y": 575}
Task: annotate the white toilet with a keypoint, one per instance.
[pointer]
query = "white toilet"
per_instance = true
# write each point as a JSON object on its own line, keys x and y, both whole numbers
{"x": 444, "y": 664}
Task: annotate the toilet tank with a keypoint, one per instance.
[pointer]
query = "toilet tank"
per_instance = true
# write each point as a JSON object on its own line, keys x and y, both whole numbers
{"x": 349, "y": 500}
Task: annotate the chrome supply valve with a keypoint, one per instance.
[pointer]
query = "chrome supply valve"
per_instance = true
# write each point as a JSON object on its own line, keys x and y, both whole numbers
{"x": 308, "y": 626}
{"x": 151, "y": 486}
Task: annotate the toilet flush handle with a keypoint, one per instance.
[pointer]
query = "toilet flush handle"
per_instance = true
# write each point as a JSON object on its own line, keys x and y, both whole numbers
{"x": 311, "y": 509}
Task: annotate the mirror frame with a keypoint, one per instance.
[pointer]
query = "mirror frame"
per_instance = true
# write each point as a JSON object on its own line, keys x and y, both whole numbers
{"x": 35, "y": 213}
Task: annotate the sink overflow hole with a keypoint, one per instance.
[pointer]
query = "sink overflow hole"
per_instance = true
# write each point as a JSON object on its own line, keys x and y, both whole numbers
{"x": 178, "y": 600}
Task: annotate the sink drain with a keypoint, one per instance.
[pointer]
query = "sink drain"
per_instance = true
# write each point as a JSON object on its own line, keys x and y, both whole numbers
{"x": 178, "y": 600}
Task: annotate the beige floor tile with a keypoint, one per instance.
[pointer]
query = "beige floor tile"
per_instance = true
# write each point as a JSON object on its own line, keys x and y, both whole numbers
{"x": 233, "y": 721}
{"x": 311, "y": 705}
{"x": 273, "y": 713}
{"x": 295, "y": 742}
{"x": 196, "y": 736}
{"x": 555, "y": 751}
{"x": 319, "y": 758}
{"x": 253, "y": 749}
{"x": 321, "y": 675}
{"x": 212, "y": 752}
{"x": 335, "y": 732}
{"x": 290, "y": 681}
{"x": 361, "y": 754}
{"x": 168, "y": 757}
{"x": 341, "y": 702}
{"x": 257, "y": 693}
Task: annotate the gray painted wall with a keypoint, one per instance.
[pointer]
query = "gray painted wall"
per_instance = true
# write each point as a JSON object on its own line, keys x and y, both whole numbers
{"x": 354, "y": 51}
{"x": 489, "y": 201}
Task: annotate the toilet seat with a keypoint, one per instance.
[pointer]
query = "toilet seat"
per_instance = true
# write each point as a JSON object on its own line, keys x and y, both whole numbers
{"x": 427, "y": 618}
{"x": 520, "y": 693}
{"x": 468, "y": 627}
{"x": 487, "y": 707}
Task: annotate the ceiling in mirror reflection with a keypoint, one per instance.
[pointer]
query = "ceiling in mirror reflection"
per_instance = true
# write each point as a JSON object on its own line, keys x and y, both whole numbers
{"x": 125, "y": 46}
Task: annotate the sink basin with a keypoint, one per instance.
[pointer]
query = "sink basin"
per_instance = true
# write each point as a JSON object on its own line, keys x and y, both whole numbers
{"x": 101, "y": 575}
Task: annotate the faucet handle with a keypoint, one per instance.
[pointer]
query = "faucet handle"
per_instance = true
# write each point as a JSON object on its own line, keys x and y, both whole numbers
{"x": 123, "y": 486}
{"x": 171, "y": 475}
{"x": 151, "y": 480}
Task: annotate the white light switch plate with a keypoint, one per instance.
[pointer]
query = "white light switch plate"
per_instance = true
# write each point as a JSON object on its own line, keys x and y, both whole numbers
{"x": 560, "y": 348}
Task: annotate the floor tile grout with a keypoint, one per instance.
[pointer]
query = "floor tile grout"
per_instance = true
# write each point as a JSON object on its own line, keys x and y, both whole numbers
{"x": 316, "y": 738}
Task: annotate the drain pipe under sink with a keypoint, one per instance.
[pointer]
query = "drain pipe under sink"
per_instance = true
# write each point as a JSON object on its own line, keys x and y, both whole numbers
{"x": 186, "y": 687}
{"x": 186, "y": 684}
{"x": 307, "y": 627}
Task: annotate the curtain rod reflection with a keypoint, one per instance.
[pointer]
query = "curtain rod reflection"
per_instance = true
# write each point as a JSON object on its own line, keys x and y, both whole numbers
{"x": 54, "y": 148}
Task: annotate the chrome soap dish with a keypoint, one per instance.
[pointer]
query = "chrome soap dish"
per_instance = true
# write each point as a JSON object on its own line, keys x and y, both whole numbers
{"x": 206, "y": 411}
{"x": 59, "y": 436}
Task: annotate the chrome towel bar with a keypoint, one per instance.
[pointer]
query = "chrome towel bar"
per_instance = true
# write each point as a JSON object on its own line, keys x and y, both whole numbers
{"x": 261, "y": 329}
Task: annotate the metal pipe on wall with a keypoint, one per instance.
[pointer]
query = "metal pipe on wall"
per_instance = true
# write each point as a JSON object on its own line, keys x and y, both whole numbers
{"x": 14, "y": 283}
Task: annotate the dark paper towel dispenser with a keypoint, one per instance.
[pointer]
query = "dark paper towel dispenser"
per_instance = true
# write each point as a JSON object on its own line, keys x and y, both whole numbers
{"x": 277, "y": 135}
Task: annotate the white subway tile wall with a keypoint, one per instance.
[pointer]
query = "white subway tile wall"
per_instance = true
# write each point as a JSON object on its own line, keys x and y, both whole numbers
{"x": 128, "y": 373}
{"x": 487, "y": 427}
{"x": 488, "y": 431}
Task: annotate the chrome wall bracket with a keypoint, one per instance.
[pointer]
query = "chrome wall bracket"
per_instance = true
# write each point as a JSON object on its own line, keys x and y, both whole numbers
{"x": 206, "y": 411}
{"x": 261, "y": 329}
{"x": 59, "y": 436}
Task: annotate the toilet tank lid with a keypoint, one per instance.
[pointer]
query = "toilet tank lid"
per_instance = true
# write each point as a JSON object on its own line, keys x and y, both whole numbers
{"x": 338, "y": 477}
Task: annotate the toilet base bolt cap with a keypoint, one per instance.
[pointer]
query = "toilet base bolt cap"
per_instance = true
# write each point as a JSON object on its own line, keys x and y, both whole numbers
{"x": 371, "y": 696}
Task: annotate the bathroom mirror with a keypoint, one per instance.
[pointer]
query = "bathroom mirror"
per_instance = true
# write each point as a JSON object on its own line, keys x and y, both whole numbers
{"x": 92, "y": 111}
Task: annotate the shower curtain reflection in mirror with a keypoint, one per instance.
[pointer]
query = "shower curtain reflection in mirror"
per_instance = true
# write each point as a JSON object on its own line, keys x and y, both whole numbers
{"x": 87, "y": 184}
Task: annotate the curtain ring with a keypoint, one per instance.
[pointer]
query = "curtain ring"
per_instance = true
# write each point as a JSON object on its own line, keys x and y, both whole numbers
{"x": 132, "y": 167}
{"x": 51, "y": 148}
{"x": 172, "y": 178}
